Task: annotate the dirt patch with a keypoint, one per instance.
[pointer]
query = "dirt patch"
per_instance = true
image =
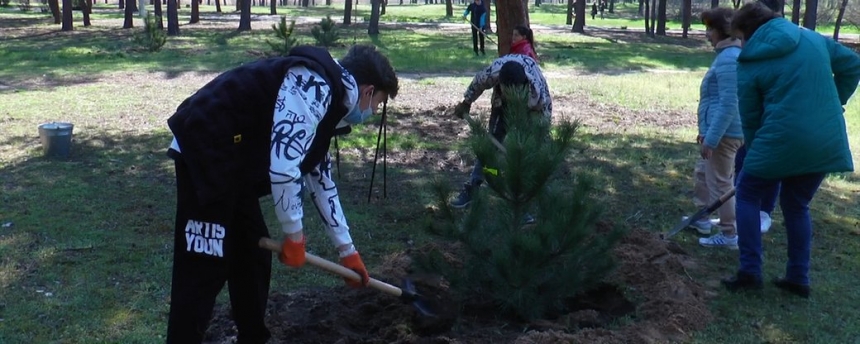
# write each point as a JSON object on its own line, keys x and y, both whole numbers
{"x": 649, "y": 298}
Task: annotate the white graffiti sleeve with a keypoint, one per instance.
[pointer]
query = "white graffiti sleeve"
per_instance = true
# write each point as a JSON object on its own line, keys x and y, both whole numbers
{"x": 302, "y": 101}
{"x": 484, "y": 80}
{"x": 325, "y": 197}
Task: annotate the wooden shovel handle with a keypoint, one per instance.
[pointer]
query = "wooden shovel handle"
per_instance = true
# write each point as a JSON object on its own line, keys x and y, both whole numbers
{"x": 336, "y": 269}
{"x": 495, "y": 142}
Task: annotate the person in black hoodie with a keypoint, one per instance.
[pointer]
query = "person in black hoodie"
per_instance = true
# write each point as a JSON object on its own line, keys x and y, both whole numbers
{"x": 261, "y": 128}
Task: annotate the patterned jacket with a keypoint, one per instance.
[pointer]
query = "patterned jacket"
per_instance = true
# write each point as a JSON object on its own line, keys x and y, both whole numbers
{"x": 269, "y": 123}
{"x": 539, "y": 97}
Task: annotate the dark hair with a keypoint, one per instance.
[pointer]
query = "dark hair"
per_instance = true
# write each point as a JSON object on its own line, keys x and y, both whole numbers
{"x": 512, "y": 73}
{"x": 750, "y": 17}
{"x": 369, "y": 67}
{"x": 773, "y": 5}
{"x": 528, "y": 34}
{"x": 719, "y": 18}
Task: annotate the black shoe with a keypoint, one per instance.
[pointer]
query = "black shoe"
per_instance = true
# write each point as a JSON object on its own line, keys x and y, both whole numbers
{"x": 742, "y": 282}
{"x": 465, "y": 196}
{"x": 791, "y": 287}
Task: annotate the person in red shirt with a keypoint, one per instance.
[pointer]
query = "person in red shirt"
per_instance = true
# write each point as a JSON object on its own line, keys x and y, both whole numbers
{"x": 523, "y": 42}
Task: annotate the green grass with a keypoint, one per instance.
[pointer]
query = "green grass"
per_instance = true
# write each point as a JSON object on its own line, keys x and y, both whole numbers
{"x": 96, "y": 231}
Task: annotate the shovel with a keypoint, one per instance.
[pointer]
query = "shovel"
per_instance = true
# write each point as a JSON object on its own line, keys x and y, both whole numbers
{"x": 407, "y": 294}
{"x": 700, "y": 214}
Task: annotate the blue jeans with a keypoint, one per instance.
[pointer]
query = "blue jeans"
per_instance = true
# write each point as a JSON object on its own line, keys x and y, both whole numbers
{"x": 768, "y": 201}
{"x": 794, "y": 198}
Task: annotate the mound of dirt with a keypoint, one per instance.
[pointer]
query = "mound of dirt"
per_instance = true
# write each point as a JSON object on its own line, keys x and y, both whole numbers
{"x": 669, "y": 305}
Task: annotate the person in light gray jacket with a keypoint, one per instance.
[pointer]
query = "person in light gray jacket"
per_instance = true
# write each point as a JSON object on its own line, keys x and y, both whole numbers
{"x": 720, "y": 133}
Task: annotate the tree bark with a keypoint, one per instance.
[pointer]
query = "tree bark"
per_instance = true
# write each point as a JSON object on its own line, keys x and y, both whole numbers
{"x": 510, "y": 14}
{"x": 839, "y": 19}
{"x": 661, "y": 17}
{"x": 569, "y": 12}
{"x": 273, "y": 6}
{"x": 86, "y": 9}
{"x": 67, "y": 16}
{"x": 449, "y": 8}
{"x": 172, "y": 18}
{"x": 579, "y": 18}
{"x": 686, "y": 10}
{"x": 795, "y": 12}
{"x": 647, "y": 12}
{"x": 218, "y": 6}
{"x": 54, "y": 5}
{"x": 611, "y": 6}
{"x": 245, "y": 16}
{"x": 129, "y": 16}
{"x": 715, "y": 3}
{"x": 810, "y": 14}
{"x": 489, "y": 19}
{"x": 195, "y": 12}
{"x": 347, "y": 12}
{"x": 158, "y": 14}
{"x": 121, "y": 4}
{"x": 373, "y": 26}
{"x": 306, "y": 3}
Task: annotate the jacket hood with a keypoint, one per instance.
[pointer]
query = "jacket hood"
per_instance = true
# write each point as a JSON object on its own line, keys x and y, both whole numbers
{"x": 776, "y": 38}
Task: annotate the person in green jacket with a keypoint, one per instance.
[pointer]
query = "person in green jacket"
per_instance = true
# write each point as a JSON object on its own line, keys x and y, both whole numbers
{"x": 792, "y": 86}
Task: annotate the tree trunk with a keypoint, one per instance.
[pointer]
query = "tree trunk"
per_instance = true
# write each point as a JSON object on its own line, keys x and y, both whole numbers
{"x": 687, "y": 9}
{"x": 661, "y": 17}
{"x": 510, "y": 14}
{"x": 86, "y": 9}
{"x": 218, "y": 6}
{"x": 653, "y": 17}
{"x": 642, "y": 5}
{"x": 489, "y": 19}
{"x": 129, "y": 16}
{"x": 273, "y": 6}
{"x": 306, "y": 3}
{"x": 810, "y": 14}
{"x": 132, "y": 4}
{"x": 737, "y": 3}
{"x": 449, "y": 8}
{"x": 373, "y": 26}
{"x": 67, "y": 16}
{"x": 172, "y": 18}
{"x": 245, "y": 16}
{"x": 195, "y": 12}
{"x": 611, "y": 6}
{"x": 382, "y": 5}
{"x": 347, "y": 12}
{"x": 795, "y": 12}
{"x": 55, "y": 11}
{"x": 121, "y": 4}
{"x": 158, "y": 14}
{"x": 569, "y": 12}
{"x": 715, "y": 3}
{"x": 579, "y": 18}
{"x": 647, "y": 12}
{"x": 839, "y": 19}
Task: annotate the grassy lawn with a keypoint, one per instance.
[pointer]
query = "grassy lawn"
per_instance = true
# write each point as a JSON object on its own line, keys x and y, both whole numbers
{"x": 88, "y": 256}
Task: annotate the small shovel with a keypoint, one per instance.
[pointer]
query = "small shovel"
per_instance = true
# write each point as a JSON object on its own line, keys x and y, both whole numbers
{"x": 407, "y": 294}
{"x": 699, "y": 215}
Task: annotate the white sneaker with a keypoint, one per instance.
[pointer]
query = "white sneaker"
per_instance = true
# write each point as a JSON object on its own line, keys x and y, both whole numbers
{"x": 702, "y": 226}
{"x": 720, "y": 240}
{"x": 765, "y": 221}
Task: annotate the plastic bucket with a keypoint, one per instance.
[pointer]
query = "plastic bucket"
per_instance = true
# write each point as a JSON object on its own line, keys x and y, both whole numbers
{"x": 56, "y": 138}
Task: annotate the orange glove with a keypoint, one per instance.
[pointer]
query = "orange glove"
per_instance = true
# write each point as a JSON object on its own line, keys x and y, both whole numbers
{"x": 353, "y": 262}
{"x": 293, "y": 252}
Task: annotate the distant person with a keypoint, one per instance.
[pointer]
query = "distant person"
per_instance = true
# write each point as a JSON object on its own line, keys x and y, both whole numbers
{"x": 479, "y": 21}
{"x": 593, "y": 10}
{"x": 792, "y": 86}
{"x": 523, "y": 42}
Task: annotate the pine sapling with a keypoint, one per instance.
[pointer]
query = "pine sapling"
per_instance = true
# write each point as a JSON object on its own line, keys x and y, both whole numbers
{"x": 285, "y": 40}
{"x": 326, "y": 32}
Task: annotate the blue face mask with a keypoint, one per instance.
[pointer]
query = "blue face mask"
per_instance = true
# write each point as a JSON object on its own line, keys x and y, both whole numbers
{"x": 356, "y": 115}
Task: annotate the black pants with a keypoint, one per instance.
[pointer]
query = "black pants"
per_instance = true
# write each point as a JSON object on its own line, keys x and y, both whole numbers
{"x": 477, "y": 36}
{"x": 214, "y": 244}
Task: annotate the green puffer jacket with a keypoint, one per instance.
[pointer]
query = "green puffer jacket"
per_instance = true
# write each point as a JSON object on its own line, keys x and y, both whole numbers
{"x": 792, "y": 86}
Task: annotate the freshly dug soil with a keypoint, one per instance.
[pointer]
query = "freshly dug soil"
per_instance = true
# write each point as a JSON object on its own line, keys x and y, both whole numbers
{"x": 649, "y": 298}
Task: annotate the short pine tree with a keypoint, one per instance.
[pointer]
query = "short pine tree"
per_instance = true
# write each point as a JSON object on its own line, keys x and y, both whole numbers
{"x": 326, "y": 33}
{"x": 284, "y": 33}
{"x": 528, "y": 271}
{"x": 151, "y": 38}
